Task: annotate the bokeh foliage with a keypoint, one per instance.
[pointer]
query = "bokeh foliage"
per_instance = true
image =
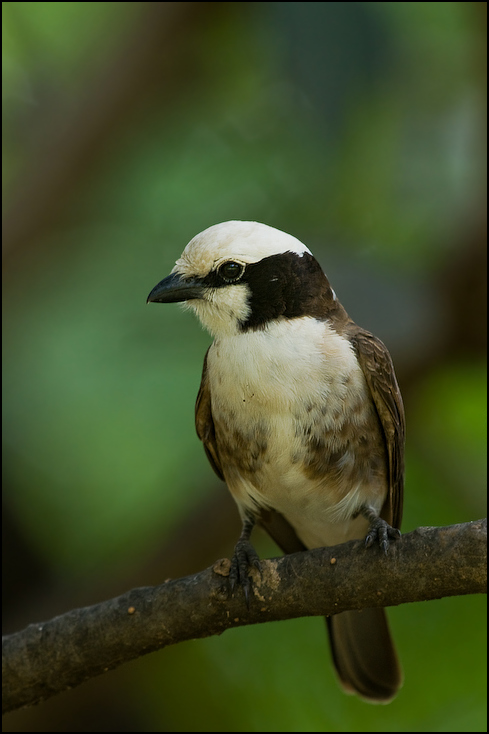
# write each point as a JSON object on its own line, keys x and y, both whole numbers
{"x": 357, "y": 127}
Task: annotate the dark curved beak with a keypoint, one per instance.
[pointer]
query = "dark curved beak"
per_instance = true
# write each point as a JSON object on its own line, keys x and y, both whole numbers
{"x": 174, "y": 289}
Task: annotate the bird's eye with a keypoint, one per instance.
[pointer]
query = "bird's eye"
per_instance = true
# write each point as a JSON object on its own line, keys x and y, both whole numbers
{"x": 231, "y": 271}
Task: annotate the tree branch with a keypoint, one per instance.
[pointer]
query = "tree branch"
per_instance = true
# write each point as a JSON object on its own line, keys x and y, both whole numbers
{"x": 428, "y": 563}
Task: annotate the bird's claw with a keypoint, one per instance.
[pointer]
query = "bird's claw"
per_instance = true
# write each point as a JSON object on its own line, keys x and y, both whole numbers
{"x": 381, "y": 532}
{"x": 244, "y": 556}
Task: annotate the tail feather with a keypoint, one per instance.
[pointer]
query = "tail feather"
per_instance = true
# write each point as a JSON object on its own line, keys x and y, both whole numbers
{"x": 364, "y": 655}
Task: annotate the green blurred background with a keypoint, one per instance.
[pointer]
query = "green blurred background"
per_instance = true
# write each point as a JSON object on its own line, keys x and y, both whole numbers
{"x": 358, "y": 127}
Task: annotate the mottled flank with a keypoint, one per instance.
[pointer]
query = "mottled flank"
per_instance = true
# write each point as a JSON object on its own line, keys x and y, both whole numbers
{"x": 351, "y": 450}
{"x": 244, "y": 452}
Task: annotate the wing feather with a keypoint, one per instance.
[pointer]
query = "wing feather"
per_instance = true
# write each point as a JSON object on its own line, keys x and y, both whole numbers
{"x": 377, "y": 366}
{"x": 204, "y": 422}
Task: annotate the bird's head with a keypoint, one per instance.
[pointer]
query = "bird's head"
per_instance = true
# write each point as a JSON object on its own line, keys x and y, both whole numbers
{"x": 239, "y": 276}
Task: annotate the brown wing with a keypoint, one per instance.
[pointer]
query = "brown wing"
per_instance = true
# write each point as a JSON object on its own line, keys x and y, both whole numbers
{"x": 376, "y": 364}
{"x": 204, "y": 422}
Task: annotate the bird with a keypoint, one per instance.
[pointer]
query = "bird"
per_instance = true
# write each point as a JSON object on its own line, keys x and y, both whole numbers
{"x": 300, "y": 413}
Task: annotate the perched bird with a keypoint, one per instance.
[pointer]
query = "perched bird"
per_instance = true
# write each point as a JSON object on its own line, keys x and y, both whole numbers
{"x": 300, "y": 414}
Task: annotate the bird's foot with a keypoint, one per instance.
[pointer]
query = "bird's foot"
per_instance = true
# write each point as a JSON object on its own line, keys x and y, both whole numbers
{"x": 379, "y": 530}
{"x": 382, "y": 533}
{"x": 244, "y": 556}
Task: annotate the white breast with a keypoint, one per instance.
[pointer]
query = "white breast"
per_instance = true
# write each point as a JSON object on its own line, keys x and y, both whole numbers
{"x": 285, "y": 368}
